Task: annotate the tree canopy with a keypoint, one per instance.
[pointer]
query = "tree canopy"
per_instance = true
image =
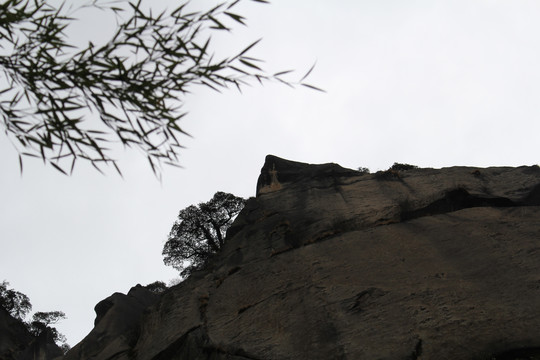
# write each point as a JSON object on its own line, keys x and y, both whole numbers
{"x": 42, "y": 321}
{"x": 135, "y": 82}
{"x": 199, "y": 232}
{"x": 16, "y": 303}
{"x": 157, "y": 287}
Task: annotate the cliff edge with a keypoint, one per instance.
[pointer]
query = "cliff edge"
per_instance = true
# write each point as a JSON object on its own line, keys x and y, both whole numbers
{"x": 329, "y": 263}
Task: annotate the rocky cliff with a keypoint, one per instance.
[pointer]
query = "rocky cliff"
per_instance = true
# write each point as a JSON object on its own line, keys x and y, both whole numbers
{"x": 17, "y": 343}
{"x": 328, "y": 263}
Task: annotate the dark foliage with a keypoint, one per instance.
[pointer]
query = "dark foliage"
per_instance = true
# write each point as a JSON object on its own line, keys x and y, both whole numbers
{"x": 389, "y": 174}
{"x": 402, "y": 167}
{"x": 393, "y": 172}
{"x": 363, "y": 170}
{"x": 157, "y": 287}
{"x": 135, "y": 82}
{"x": 42, "y": 321}
{"x": 16, "y": 303}
{"x": 65, "y": 347}
{"x": 200, "y": 232}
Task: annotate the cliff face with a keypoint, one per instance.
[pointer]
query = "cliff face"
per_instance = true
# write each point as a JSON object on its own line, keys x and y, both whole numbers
{"x": 116, "y": 328}
{"x": 327, "y": 263}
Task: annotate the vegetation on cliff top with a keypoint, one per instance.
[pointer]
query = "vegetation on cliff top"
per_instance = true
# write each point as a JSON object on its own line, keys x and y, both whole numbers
{"x": 18, "y": 305}
{"x": 200, "y": 232}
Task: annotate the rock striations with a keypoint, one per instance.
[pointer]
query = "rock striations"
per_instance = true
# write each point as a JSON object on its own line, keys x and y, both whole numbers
{"x": 328, "y": 263}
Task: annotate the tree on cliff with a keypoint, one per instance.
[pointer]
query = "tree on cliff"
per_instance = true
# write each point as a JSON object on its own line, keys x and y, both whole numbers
{"x": 18, "y": 305}
{"x": 200, "y": 232}
{"x": 42, "y": 321}
{"x": 135, "y": 82}
{"x": 157, "y": 287}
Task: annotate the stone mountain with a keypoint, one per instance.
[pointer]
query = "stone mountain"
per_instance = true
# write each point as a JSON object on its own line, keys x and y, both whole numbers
{"x": 329, "y": 263}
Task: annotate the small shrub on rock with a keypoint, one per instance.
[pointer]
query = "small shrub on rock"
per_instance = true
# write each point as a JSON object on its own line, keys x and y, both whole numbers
{"x": 389, "y": 174}
{"x": 157, "y": 287}
{"x": 363, "y": 170}
{"x": 402, "y": 167}
{"x": 393, "y": 172}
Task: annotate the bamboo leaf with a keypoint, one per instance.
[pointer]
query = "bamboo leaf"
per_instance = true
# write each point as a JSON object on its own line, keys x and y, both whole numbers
{"x": 31, "y": 155}
{"x": 247, "y": 49}
{"x": 236, "y": 17}
{"x": 283, "y": 73}
{"x": 239, "y": 70}
{"x": 307, "y": 74}
{"x": 233, "y": 4}
{"x": 313, "y": 87}
{"x": 58, "y": 168}
{"x": 219, "y": 26}
{"x": 117, "y": 169}
{"x": 21, "y": 164}
{"x": 96, "y": 167}
{"x": 251, "y": 65}
{"x": 210, "y": 86}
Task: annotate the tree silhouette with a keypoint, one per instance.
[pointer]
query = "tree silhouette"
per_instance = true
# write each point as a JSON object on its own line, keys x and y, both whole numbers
{"x": 16, "y": 303}
{"x": 200, "y": 232}
{"x": 42, "y": 321}
{"x": 157, "y": 287}
{"x": 135, "y": 82}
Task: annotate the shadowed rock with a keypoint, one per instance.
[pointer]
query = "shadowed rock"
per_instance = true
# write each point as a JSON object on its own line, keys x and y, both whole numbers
{"x": 328, "y": 263}
{"x": 116, "y": 327}
{"x": 16, "y": 342}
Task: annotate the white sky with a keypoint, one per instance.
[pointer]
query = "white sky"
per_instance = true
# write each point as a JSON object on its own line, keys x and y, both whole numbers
{"x": 432, "y": 83}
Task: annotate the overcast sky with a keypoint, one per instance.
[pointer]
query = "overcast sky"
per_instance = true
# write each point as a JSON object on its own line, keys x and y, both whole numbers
{"x": 427, "y": 82}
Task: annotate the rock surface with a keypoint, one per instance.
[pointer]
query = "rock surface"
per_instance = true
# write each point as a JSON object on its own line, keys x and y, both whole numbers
{"x": 328, "y": 263}
{"x": 14, "y": 337}
{"x": 116, "y": 328}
